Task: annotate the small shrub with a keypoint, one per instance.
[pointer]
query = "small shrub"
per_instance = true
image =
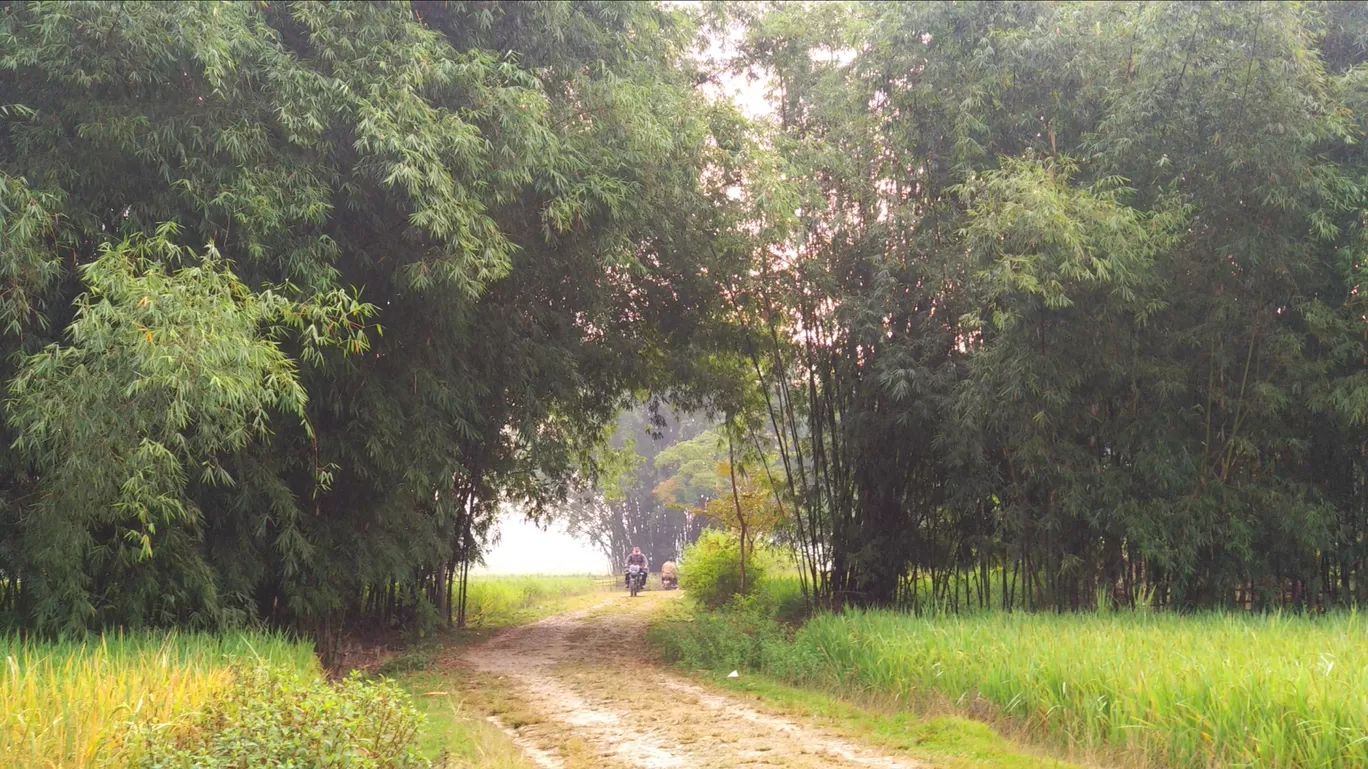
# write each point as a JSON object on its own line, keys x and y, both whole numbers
{"x": 409, "y": 662}
{"x": 744, "y": 635}
{"x": 782, "y": 594}
{"x": 711, "y": 568}
{"x": 269, "y": 718}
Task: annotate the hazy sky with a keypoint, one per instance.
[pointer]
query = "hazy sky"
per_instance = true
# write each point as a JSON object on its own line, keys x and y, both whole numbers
{"x": 746, "y": 93}
{"x": 525, "y": 549}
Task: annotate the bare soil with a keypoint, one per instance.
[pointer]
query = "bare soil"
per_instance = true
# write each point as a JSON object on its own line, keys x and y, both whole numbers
{"x": 588, "y": 694}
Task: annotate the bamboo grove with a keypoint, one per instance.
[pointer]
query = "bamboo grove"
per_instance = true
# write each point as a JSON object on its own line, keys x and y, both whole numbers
{"x": 295, "y": 294}
{"x": 1022, "y": 304}
{"x": 1070, "y": 307}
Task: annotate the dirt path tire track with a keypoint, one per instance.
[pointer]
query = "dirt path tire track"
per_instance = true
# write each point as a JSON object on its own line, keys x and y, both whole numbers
{"x": 586, "y": 675}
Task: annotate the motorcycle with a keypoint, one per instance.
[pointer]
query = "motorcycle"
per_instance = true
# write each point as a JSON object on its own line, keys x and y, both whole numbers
{"x": 636, "y": 579}
{"x": 669, "y": 581}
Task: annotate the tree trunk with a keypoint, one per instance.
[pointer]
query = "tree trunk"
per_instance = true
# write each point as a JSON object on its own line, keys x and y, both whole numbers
{"x": 736, "y": 500}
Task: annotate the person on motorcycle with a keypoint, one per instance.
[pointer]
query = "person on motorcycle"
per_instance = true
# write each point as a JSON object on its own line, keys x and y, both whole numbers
{"x": 636, "y": 558}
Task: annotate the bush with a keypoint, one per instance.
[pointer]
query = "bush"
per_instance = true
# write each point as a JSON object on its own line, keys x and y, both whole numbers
{"x": 270, "y": 718}
{"x": 711, "y": 568}
{"x": 742, "y": 636}
{"x": 782, "y": 595}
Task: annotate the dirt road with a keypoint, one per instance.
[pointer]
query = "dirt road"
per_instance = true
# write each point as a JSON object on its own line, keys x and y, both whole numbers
{"x": 595, "y": 700}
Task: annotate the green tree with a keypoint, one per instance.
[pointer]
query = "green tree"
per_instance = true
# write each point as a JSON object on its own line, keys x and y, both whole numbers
{"x": 622, "y": 510}
{"x": 1063, "y": 298}
{"x": 414, "y": 258}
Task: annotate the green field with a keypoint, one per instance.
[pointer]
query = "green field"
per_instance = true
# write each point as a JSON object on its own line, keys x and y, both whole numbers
{"x": 1167, "y": 689}
{"x": 496, "y": 601}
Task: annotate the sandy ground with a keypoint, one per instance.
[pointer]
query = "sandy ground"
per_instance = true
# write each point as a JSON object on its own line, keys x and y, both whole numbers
{"x": 595, "y": 699}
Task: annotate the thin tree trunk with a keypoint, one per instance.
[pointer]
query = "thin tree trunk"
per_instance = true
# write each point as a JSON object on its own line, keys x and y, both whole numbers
{"x": 736, "y": 500}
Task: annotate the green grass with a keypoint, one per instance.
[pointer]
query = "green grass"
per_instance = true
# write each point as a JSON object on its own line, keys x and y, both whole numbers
{"x": 456, "y": 734}
{"x": 1178, "y": 690}
{"x": 947, "y": 741}
{"x": 69, "y": 705}
{"x": 501, "y": 601}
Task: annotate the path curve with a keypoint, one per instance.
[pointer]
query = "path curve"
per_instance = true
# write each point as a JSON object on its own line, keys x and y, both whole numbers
{"x": 587, "y": 675}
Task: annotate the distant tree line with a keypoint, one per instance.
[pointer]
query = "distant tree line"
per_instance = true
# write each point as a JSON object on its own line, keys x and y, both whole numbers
{"x": 624, "y": 509}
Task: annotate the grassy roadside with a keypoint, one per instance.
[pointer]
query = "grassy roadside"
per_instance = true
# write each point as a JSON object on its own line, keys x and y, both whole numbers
{"x": 936, "y": 734}
{"x": 454, "y": 699}
{"x": 456, "y": 734}
{"x": 942, "y": 741}
{"x": 459, "y": 735}
{"x": 1124, "y": 689}
{"x": 104, "y": 702}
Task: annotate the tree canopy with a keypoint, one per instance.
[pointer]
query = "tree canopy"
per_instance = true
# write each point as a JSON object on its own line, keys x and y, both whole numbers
{"x": 294, "y": 294}
{"x": 1074, "y": 300}
{"x": 1025, "y": 303}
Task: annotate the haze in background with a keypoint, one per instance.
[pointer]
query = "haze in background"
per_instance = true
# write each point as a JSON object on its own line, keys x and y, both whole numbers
{"x": 524, "y": 548}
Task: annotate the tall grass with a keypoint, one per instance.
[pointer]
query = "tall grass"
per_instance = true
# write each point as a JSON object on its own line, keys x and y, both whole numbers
{"x": 500, "y": 600}
{"x": 69, "y": 705}
{"x": 1181, "y": 691}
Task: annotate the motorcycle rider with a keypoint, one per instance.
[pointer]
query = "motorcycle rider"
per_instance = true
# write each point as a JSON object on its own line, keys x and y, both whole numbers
{"x": 638, "y": 558}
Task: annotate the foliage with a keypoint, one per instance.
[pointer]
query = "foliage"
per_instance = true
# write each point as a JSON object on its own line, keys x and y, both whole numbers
{"x": 294, "y": 296}
{"x": 72, "y": 704}
{"x": 1066, "y": 300}
{"x": 701, "y": 480}
{"x": 750, "y": 511}
{"x": 271, "y": 718}
{"x": 625, "y": 511}
{"x": 164, "y": 374}
{"x": 741, "y": 637}
{"x": 719, "y": 488}
{"x": 711, "y": 568}
{"x": 695, "y": 479}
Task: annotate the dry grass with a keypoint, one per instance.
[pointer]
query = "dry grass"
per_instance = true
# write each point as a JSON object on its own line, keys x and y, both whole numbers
{"x": 70, "y": 705}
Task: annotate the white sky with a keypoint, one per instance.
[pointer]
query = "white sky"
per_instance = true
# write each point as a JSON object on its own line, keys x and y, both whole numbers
{"x": 746, "y": 93}
{"x": 525, "y": 549}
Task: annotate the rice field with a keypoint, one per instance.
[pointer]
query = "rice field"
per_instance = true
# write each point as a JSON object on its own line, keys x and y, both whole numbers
{"x": 69, "y": 705}
{"x": 493, "y": 601}
{"x": 1178, "y": 690}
